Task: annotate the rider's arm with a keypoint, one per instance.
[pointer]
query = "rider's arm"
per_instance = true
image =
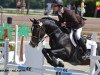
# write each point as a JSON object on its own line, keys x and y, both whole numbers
{"x": 71, "y": 16}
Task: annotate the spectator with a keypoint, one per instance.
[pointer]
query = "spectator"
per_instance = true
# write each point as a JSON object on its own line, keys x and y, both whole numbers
{"x": 48, "y": 4}
{"x": 82, "y": 8}
{"x": 78, "y": 10}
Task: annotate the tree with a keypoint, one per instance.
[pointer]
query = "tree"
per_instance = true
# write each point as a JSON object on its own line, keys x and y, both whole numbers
{"x": 6, "y": 3}
{"x": 37, "y": 4}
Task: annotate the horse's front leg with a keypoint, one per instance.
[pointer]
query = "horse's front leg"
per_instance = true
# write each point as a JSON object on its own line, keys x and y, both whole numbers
{"x": 51, "y": 59}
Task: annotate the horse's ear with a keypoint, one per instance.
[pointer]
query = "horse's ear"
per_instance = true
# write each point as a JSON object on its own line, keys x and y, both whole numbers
{"x": 35, "y": 21}
{"x": 31, "y": 20}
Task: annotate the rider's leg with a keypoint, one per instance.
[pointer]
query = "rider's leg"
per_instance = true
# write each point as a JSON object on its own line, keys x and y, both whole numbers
{"x": 80, "y": 41}
{"x": 78, "y": 33}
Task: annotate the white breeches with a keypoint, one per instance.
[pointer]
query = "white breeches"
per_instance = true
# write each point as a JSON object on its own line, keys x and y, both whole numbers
{"x": 78, "y": 33}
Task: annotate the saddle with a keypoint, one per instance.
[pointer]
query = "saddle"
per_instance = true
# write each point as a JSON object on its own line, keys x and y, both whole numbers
{"x": 73, "y": 38}
{"x": 71, "y": 34}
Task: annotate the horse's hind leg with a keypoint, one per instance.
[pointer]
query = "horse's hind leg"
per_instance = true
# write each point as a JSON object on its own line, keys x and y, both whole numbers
{"x": 51, "y": 58}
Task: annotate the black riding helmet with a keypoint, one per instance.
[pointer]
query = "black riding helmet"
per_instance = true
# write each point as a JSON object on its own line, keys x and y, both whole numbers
{"x": 58, "y": 2}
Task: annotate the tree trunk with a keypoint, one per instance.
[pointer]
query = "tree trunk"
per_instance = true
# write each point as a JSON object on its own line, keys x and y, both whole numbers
{"x": 21, "y": 49}
{"x": 28, "y": 6}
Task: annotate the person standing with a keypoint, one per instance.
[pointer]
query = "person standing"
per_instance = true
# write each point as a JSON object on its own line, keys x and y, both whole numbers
{"x": 79, "y": 10}
{"x": 48, "y": 4}
{"x": 82, "y": 8}
{"x": 69, "y": 6}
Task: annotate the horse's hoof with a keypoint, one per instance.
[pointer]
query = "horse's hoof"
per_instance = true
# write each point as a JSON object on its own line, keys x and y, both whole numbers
{"x": 60, "y": 64}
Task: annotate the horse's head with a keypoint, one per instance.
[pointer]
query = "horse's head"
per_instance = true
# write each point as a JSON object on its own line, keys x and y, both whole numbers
{"x": 37, "y": 32}
{"x": 40, "y": 27}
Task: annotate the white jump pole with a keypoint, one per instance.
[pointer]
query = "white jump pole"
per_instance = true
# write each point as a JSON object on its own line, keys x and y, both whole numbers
{"x": 93, "y": 53}
{"x": 92, "y": 61}
{"x": 94, "y": 35}
{"x": 6, "y": 54}
{"x": 16, "y": 43}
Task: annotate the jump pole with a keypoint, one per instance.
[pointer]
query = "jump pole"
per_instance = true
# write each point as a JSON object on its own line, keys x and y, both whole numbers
{"x": 40, "y": 70}
{"x": 93, "y": 55}
{"x": 92, "y": 61}
{"x": 6, "y": 54}
{"x": 16, "y": 43}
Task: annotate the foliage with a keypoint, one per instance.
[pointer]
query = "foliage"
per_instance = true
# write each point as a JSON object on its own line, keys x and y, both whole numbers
{"x": 3, "y": 33}
{"x": 23, "y": 31}
{"x": 64, "y": 1}
{"x": 34, "y": 4}
{"x": 40, "y": 4}
{"x": 90, "y": 9}
{"x": 6, "y": 3}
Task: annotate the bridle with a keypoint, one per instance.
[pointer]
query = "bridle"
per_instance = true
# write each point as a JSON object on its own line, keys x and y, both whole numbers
{"x": 42, "y": 39}
{"x": 39, "y": 39}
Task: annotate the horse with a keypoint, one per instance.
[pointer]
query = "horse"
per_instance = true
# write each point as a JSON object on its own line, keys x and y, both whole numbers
{"x": 60, "y": 43}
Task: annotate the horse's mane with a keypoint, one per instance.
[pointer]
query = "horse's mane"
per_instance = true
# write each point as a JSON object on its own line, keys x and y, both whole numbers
{"x": 51, "y": 19}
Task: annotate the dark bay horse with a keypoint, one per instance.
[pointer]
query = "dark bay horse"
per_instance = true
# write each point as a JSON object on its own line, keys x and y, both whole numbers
{"x": 61, "y": 46}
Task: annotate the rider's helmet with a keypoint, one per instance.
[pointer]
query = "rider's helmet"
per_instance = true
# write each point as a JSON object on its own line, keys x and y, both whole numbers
{"x": 58, "y": 2}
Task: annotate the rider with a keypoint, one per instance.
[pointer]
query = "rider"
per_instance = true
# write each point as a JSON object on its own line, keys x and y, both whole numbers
{"x": 71, "y": 20}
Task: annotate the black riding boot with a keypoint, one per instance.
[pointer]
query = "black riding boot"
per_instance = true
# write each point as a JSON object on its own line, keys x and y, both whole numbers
{"x": 83, "y": 46}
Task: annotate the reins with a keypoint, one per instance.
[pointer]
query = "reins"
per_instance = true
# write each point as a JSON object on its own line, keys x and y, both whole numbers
{"x": 48, "y": 35}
